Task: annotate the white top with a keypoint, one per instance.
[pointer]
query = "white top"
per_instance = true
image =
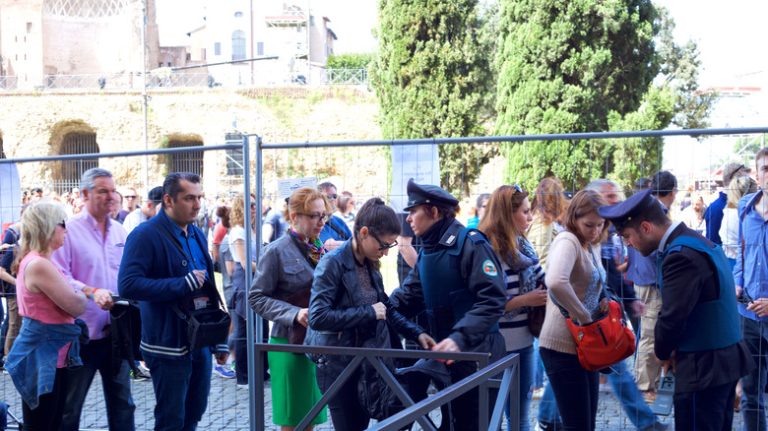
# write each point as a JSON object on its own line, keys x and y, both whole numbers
{"x": 729, "y": 232}
{"x": 133, "y": 219}
{"x": 238, "y": 233}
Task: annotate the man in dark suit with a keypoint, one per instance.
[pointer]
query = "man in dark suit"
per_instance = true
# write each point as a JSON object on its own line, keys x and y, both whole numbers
{"x": 697, "y": 332}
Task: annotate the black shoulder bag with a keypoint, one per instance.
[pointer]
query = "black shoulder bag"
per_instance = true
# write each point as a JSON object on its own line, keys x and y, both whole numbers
{"x": 207, "y": 324}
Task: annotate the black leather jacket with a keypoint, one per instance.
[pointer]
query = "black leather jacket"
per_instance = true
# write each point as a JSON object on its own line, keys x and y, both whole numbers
{"x": 334, "y": 320}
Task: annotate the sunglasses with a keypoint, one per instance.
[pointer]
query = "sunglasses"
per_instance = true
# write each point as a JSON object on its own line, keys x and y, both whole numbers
{"x": 317, "y": 217}
{"x": 63, "y": 224}
{"x": 130, "y": 196}
{"x": 382, "y": 245}
{"x": 332, "y": 197}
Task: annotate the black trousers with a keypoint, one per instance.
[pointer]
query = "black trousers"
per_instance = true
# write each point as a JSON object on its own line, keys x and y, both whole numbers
{"x": 50, "y": 408}
{"x": 710, "y": 409}
{"x": 575, "y": 389}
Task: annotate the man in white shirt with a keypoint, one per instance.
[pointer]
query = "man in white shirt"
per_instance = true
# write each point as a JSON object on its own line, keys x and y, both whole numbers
{"x": 145, "y": 211}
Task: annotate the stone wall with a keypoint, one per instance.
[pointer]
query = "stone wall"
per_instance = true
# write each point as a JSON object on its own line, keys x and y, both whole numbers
{"x": 278, "y": 115}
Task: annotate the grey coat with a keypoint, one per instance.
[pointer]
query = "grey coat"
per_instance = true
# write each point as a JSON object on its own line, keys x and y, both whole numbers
{"x": 283, "y": 270}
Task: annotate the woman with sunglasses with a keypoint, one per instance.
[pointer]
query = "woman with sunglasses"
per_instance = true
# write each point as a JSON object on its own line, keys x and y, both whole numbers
{"x": 280, "y": 294}
{"x": 48, "y": 339}
{"x": 349, "y": 308}
{"x": 506, "y": 220}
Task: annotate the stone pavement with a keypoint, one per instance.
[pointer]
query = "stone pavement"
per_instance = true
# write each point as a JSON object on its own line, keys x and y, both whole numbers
{"x": 228, "y": 408}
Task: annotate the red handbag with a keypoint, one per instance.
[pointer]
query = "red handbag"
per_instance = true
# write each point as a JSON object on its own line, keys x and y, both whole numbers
{"x": 605, "y": 341}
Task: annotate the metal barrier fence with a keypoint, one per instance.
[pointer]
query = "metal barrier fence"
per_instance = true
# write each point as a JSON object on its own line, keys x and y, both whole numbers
{"x": 165, "y": 78}
{"x": 413, "y": 412}
{"x": 246, "y": 411}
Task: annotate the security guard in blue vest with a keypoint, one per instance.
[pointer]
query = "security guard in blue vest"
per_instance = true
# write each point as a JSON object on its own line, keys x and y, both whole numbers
{"x": 697, "y": 334}
{"x": 458, "y": 283}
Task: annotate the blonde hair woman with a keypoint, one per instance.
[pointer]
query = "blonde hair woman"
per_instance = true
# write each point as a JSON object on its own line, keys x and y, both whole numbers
{"x": 48, "y": 339}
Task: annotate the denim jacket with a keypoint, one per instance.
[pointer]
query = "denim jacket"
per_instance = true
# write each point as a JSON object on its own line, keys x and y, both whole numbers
{"x": 32, "y": 360}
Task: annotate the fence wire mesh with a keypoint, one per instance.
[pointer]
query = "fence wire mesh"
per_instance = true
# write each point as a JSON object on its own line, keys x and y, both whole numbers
{"x": 364, "y": 169}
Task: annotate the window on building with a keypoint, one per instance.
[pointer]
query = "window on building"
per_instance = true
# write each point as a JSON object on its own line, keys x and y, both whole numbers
{"x": 217, "y": 48}
{"x": 2, "y": 153}
{"x": 189, "y": 56}
{"x": 29, "y": 27}
{"x": 259, "y": 48}
{"x": 238, "y": 14}
{"x": 312, "y": 20}
{"x": 71, "y": 170}
{"x": 234, "y": 155}
{"x": 238, "y": 45}
{"x": 188, "y": 161}
{"x": 202, "y": 54}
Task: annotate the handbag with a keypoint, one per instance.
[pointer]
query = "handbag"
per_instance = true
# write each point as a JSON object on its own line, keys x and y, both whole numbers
{"x": 536, "y": 319}
{"x": 297, "y": 332}
{"x": 208, "y": 324}
{"x": 605, "y": 341}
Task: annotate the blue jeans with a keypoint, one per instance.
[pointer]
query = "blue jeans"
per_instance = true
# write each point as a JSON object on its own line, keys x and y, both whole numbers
{"x": 753, "y": 384}
{"x": 538, "y": 367}
{"x": 625, "y": 389}
{"x": 181, "y": 390}
{"x": 97, "y": 355}
{"x": 526, "y": 387}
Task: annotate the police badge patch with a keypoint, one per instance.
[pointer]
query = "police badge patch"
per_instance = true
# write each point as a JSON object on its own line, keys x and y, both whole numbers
{"x": 489, "y": 268}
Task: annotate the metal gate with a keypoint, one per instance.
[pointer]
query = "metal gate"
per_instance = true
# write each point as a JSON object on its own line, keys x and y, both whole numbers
{"x": 186, "y": 162}
{"x": 72, "y": 170}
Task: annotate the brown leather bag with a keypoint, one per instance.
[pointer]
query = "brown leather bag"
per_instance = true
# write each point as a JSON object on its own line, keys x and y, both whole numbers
{"x": 297, "y": 331}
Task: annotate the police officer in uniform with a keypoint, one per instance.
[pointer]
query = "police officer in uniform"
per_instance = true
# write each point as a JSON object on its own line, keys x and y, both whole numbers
{"x": 457, "y": 282}
{"x": 697, "y": 333}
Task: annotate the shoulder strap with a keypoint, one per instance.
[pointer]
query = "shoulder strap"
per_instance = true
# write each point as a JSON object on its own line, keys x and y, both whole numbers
{"x": 340, "y": 232}
{"x": 175, "y": 242}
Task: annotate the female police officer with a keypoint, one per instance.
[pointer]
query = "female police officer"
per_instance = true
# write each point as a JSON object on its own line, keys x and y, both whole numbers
{"x": 457, "y": 282}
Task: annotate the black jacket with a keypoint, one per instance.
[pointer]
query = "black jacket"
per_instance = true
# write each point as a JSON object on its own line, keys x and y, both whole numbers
{"x": 334, "y": 319}
{"x": 689, "y": 278}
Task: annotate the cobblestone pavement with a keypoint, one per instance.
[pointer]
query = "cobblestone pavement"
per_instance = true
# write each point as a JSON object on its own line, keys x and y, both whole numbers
{"x": 228, "y": 408}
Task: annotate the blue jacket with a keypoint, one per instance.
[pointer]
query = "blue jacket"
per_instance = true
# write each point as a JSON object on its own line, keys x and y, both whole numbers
{"x": 336, "y": 229}
{"x": 32, "y": 360}
{"x": 714, "y": 217}
{"x": 155, "y": 272}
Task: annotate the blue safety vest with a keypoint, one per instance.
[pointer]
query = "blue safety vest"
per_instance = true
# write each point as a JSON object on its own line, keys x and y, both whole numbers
{"x": 446, "y": 297}
{"x": 711, "y": 324}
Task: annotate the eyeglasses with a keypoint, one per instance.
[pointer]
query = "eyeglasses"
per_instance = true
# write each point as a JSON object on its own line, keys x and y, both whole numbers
{"x": 63, "y": 224}
{"x": 382, "y": 245}
{"x": 332, "y": 197}
{"x": 317, "y": 217}
{"x": 130, "y": 196}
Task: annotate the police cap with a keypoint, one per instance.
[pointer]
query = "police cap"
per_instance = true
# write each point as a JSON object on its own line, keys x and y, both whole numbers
{"x": 623, "y": 212}
{"x": 421, "y": 194}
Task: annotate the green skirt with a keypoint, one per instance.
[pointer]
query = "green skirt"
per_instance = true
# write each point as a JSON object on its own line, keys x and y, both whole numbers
{"x": 294, "y": 387}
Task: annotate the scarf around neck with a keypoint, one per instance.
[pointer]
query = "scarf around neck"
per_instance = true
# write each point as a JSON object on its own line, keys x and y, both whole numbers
{"x": 314, "y": 247}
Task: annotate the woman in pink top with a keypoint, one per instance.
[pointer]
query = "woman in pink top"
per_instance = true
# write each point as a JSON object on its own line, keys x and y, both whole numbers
{"x": 48, "y": 306}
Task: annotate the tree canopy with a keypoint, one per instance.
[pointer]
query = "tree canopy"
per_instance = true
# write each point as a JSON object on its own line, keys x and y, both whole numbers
{"x": 431, "y": 78}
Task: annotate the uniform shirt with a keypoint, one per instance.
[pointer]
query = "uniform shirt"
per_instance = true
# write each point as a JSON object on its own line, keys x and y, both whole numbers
{"x": 90, "y": 258}
{"x": 641, "y": 270}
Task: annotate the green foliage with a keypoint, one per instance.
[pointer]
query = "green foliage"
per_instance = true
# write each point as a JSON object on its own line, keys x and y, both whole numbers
{"x": 567, "y": 66}
{"x": 430, "y": 78}
{"x": 640, "y": 157}
{"x": 746, "y": 148}
{"x": 349, "y": 61}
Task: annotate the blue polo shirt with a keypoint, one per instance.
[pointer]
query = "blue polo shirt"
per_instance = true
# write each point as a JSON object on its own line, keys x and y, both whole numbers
{"x": 641, "y": 269}
{"x": 188, "y": 241}
{"x": 333, "y": 227}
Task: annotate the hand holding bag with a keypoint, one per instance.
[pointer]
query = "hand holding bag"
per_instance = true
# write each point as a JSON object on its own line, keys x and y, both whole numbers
{"x": 605, "y": 341}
